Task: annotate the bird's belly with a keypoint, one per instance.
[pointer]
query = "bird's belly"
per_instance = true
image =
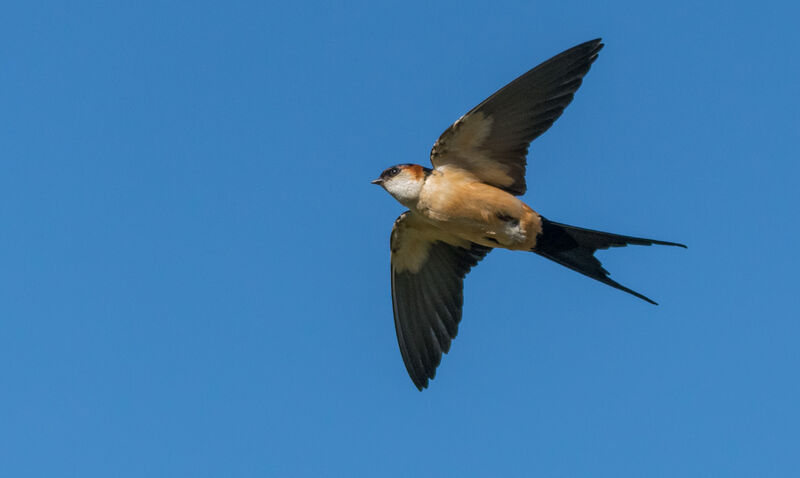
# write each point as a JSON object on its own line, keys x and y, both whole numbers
{"x": 508, "y": 236}
{"x": 489, "y": 220}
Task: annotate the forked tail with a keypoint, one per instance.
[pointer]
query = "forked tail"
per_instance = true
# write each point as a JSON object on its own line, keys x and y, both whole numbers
{"x": 574, "y": 247}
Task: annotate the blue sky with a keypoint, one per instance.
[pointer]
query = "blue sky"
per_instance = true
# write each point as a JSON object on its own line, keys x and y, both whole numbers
{"x": 195, "y": 267}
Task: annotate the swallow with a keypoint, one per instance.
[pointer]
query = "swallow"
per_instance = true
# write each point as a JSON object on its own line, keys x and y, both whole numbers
{"x": 467, "y": 205}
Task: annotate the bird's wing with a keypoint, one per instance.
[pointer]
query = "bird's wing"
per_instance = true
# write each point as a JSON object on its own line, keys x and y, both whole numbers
{"x": 428, "y": 269}
{"x": 491, "y": 140}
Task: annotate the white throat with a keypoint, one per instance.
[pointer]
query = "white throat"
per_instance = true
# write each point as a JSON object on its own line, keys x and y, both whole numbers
{"x": 405, "y": 189}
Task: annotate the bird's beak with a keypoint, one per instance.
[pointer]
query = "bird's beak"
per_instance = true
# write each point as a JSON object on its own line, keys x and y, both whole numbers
{"x": 378, "y": 181}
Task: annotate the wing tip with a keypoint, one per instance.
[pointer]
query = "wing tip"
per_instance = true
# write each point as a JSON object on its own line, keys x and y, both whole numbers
{"x": 597, "y": 43}
{"x": 421, "y": 381}
{"x": 592, "y": 48}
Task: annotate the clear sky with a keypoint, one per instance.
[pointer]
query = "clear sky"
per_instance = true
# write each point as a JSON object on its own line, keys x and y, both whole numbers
{"x": 195, "y": 268}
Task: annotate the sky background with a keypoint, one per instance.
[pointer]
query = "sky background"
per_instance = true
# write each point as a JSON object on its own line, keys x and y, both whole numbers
{"x": 195, "y": 268}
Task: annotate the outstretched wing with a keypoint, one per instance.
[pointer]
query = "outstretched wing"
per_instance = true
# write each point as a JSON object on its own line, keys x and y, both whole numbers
{"x": 492, "y": 139}
{"x": 428, "y": 269}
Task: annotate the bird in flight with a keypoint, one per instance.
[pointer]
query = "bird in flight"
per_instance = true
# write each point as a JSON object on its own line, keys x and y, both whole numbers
{"x": 467, "y": 205}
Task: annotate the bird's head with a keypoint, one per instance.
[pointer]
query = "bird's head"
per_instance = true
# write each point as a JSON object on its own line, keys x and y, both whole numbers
{"x": 404, "y": 182}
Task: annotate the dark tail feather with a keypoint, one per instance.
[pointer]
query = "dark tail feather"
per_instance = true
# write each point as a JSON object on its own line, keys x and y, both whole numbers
{"x": 574, "y": 247}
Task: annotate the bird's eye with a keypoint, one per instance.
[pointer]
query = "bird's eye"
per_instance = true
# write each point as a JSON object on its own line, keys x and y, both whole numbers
{"x": 393, "y": 171}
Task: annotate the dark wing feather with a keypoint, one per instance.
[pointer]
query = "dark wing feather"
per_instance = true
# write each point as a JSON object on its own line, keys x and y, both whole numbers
{"x": 427, "y": 295}
{"x": 492, "y": 139}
